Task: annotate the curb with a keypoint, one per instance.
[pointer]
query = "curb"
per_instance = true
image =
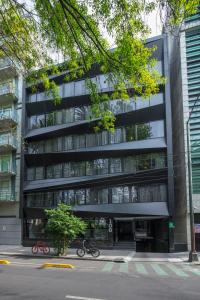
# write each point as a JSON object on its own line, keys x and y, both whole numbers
{"x": 64, "y": 257}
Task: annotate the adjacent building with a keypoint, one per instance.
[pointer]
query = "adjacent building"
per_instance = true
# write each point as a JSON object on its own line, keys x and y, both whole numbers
{"x": 185, "y": 87}
{"x": 10, "y": 149}
{"x": 121, "y": 183}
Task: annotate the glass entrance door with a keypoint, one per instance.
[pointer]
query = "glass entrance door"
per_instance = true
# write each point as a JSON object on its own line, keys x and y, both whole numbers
{"x": 124, "y": 231}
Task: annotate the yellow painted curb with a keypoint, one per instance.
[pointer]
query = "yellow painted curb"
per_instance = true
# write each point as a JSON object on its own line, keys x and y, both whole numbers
{"x": 54, "y": 265}
{"x": 4, "y": 262}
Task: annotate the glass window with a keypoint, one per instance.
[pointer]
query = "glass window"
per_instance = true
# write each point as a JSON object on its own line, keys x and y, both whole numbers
{"x": 69, "y": 89}
{"x": 163, "y": 192}
{"x": 49, "y": 199}
{"x": 49, "y": 172}
{"x": 49, "y": 146}
{"x": 68, "y": 116}
{"x": 68, "y": 142}
{"x": 31, "y": 174}
{"x": 129, "y": 105}
{"x": 143, "y": 162}
{"x": 115, "y": 165}
{"x": 39, "y": 200}
{"x": 59, "y": 117}
{"x": 142, "y": 103}
{"x": 32, "y": 98}
{"x": 91, "y": 196}
{"x": 33, "y": 122}
{"x": 101, "y": 166}
{"x": 129, "y": 164}
{"x": 143, "y": 194}
{"x": 156, "y": 99}
{"x": 157, "y": 129}
{"x": 71, "y": 197}
{"x": 158, "y": 160}
{"x": 57, "y": 144}
{"x": 103, "y": 196}
{"x": 67, "y": 169}
{"x": 50, "y": 119}
{"x": 130, "y": 133}
{"x": 143, "y": 131}
{"x": 57, "y": 198}
{"x": 134, "y": 197}
{"x": 117, "y": 195}
{"x": 89, "y": 168}
{"x": 79, "y": 87}
{"x": 39, "y": 173}
{"x": 65, "y": 198}
{"x": 90, "y": 140}
{"x": 117, "y": 136}
{"x": 40, "y": 121}
{"x": 5, "y": 163}
{"x": 58, "y": 171}
{"x": 78, "y": 169}
{"x": 126, "y": 195}
{"x": 104, "y": 138}
{"x": 30, "y": 200}
{"x": 79, "y": 113}
{"x": 79, "y": 141}
{"x": 80, "y": 197}
{"x": 116, "y": 106}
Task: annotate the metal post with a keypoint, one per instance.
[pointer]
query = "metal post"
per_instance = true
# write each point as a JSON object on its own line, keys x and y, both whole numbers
{"x": 193, "y": 256}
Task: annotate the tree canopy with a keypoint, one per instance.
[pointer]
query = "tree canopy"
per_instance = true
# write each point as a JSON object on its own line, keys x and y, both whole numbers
{"x": 63, "y": 227}
{"x": 31, "y": 30}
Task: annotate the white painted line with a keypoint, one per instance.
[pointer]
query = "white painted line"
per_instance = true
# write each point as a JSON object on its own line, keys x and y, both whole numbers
{"x": 81, "y": 298}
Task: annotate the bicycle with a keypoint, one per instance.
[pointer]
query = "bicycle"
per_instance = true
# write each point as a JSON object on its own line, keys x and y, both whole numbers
{"x": 40, "y": 246}
{"x": 87, "y": 250}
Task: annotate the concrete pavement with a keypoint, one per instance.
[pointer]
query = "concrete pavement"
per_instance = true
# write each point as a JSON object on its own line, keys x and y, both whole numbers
{"x": 106, "y": 255}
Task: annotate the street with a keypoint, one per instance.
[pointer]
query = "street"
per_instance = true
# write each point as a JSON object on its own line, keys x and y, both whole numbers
{"x": 94, "y": 280}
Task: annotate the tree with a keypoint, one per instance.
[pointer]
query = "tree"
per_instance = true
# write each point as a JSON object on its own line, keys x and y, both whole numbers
{"x": 75, "y": 29}
{"x": 63, "y": 227}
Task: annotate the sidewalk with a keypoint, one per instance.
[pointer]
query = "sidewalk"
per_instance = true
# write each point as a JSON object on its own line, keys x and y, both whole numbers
{"x": 106, "y": 255}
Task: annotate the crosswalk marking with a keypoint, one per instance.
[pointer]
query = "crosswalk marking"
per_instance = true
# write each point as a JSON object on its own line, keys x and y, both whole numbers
{"x": 158, "y": 270}
{"x": 177, "y": 271}
{"x": 108, "y": 267}
{"x": 123, "y": 268}
{"x": 141, "y": 269}
{"x": 195, "y": 271}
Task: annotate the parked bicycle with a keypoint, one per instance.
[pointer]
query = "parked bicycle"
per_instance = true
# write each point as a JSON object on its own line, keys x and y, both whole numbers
{"x": 87, "y": 248}
{"x": 40, "y": 246}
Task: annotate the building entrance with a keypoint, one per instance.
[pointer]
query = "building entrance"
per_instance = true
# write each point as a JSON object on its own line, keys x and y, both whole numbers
{"x": 125, "y": 231}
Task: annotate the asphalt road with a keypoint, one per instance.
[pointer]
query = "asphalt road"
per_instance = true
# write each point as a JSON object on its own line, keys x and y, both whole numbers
{"x": 90, "y": 280}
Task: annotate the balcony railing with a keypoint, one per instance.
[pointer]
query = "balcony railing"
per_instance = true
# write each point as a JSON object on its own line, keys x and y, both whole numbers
{"x": 8, "y": 89}
{"x": 7, "y": 141}
{"x": 8, "y": 115}
{"x": 7, "y": 68}
{"x": 7, "y": 196}
{"x": 7, "y": 169}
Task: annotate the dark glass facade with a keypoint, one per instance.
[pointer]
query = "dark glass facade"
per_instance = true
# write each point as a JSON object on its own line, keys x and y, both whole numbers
{"x": 120, "y": 182}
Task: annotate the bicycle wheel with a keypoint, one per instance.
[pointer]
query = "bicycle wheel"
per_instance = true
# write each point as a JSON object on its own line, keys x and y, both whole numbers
{"x": 95, "y": 252}
{"x": 34, "y": 249}
{"x": 46, "y": 250}
{"x": 80, "y": 252}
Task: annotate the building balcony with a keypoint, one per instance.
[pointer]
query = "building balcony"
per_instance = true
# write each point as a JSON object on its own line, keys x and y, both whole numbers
{"x": 7, "y": 69}
{"x": 8, "y": 119}
{"x": 7, "y": 196}
{"x": 7, "y": 143}
{"x": 8, "y": 92}
{"x": 7, "y": 170}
